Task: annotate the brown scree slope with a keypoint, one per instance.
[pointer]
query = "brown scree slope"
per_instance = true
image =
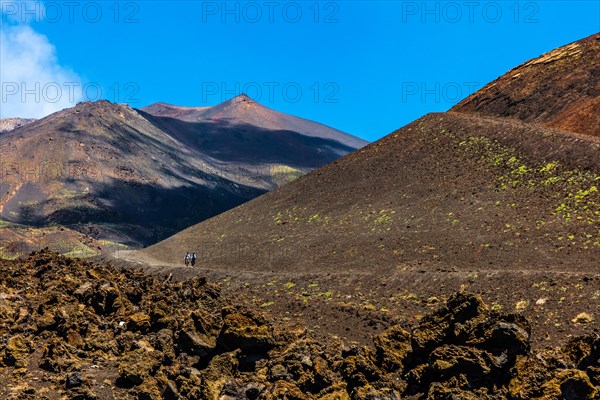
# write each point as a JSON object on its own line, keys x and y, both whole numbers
{"x": 559, "y": 89}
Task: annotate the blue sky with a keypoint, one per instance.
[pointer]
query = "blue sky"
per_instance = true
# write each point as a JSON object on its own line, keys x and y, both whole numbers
{"x": 365, "y": 67}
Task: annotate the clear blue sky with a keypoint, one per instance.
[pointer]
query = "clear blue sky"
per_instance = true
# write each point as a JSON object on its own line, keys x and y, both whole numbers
{"x": 365, "y": 67}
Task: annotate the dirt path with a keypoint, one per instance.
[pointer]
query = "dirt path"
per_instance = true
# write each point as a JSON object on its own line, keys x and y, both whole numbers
{"x": 357, "y": 305}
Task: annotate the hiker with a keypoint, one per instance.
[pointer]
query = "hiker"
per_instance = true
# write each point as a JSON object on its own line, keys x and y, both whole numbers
{"x": 186, "y": 259}
{"x": 193, "y": 259}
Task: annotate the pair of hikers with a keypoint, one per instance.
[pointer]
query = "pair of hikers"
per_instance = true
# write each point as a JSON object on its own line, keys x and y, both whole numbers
{"x": 189, "y": 259}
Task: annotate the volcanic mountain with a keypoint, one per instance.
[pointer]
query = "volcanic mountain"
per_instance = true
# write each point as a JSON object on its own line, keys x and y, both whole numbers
{"x": 123, "y": 175}
{"x": 242, "y": 110}
{"x": 460, "y": 188}
{"x": 453, "y": 200}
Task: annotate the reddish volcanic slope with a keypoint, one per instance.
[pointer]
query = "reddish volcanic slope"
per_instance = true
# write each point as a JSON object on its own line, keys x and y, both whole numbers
{"x": 559, "y": 89}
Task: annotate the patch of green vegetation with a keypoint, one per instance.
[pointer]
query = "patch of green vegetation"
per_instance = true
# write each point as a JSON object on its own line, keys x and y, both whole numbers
{"x": 574, "y": 191}
{"x": 29, "y": 203}
{"x": 80, "y": 250}
{"x": 540, "y": 285}
{"x": 380, "y": 217}
{"x": 297, "y": 215}
{"x": 549, "y": 168}
{"x": 383, "y": 219}
{"x": 314, "y": 218}
{"x": 66, "y": 194}
{"x": 409, "y": 296}
{"x": 379, "y": 220}
{"x": 109, "y": 243}
{"x": 369, "y": 306}
{"x": 283, "y": 174}
{"x": 7, "y": 255}
{"x": 5, "y": 224}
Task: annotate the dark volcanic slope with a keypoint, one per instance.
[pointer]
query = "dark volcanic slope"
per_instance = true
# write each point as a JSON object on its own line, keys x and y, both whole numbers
{"x": 466, "y": 188}
{"x": 127, "y": 176}
{"x": 452, "y": 190}
{"x": 507, "y": 208}
{"x": 559, "y": 89}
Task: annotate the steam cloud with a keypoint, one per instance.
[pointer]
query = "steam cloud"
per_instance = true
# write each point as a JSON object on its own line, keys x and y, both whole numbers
{"x": 33, "y": 83}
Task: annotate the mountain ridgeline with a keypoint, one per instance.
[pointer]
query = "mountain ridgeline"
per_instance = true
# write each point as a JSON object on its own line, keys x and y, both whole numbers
{"x": 122, "y": 175}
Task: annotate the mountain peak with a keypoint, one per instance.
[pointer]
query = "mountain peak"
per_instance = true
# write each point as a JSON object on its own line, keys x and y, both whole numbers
{"x": 243, "y": 110}
{"x": 99, "y": 105}
{"x": 241, "y": 99}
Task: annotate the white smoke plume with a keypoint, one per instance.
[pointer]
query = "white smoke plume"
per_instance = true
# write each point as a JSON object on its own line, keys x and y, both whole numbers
{"x": 33, "y": 83}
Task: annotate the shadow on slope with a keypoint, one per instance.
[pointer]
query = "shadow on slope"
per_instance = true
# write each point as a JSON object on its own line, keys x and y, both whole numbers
{"x": 227, "y": 141}
{"x": 140, "y": 213}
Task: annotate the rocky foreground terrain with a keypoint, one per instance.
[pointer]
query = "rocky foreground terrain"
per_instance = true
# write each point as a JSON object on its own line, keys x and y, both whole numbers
{"x": 80, "y": 330}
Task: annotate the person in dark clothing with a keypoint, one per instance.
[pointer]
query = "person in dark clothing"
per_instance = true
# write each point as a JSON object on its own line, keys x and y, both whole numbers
{"x": 193, "y": 259}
